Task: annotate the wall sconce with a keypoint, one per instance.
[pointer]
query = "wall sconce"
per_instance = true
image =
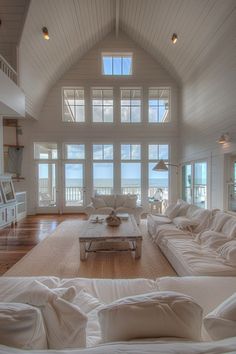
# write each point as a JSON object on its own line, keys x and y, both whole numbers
{"x": 224, "y": 138}
{"x": 163, "y": 166}
{"x": 45, "y": 33}
{"x": 174, "y": 38}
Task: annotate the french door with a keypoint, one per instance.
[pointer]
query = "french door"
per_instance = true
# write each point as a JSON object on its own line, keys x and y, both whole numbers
{"x": 73, "y": 186}
{"x": 60, "y": 187}
{"x": 47, "y": 187}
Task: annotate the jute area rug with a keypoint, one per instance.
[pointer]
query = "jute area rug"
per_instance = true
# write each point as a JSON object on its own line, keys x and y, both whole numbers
{"x": 57, "y": 255}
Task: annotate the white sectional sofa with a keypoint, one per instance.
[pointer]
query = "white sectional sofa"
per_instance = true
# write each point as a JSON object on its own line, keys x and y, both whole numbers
{"x": 124, "y": 203}
{"x": 206, "y": 292}
{"x": 196, "y": 241}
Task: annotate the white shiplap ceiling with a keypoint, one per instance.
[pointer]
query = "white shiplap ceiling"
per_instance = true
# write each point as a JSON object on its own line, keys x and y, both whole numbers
{"x": 12, "y": 15}
{"x": 76, "y": 25}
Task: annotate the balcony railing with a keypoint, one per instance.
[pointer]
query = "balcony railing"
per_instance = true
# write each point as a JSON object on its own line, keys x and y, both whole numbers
{"x": 7, "y": 69}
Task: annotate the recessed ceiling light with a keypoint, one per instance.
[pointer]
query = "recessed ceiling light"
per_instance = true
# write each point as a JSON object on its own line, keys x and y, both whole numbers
{"x": 45, "y": 33}
{"x": 174, "y": 38}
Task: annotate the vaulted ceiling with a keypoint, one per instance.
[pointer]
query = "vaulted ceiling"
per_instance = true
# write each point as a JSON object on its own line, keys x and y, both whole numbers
{"x": 75, "y": 26}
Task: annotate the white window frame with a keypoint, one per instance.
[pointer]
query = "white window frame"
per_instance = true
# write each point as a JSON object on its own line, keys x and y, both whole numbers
{"x": 63, "y": 103}
{"x": 117, "y": 55}
{"x": 169, "y": 108}
{"x": 141, "y": 104}
{"x": 102, "y": 89}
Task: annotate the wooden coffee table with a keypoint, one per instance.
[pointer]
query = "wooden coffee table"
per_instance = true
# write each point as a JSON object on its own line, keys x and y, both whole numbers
{"x": 126, "y": 231}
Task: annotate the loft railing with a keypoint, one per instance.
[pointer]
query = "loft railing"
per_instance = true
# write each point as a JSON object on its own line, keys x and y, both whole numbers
{"x": 8, "y": 69}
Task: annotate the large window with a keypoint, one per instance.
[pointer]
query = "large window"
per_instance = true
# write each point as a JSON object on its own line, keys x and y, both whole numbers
{"x": 159, "y": 105}
{"x": 117, "y": 64}
{"x": 73, "y": 105}
{"x": 130, "y": 105}
{"x": 194, "y": 183}
{"x": 102, "y": 101}
{"x": 158, "y": 181}
{"x": 131, "y": 169}
{"x": 103, "y": 169}
{"x": 74, "y": 151}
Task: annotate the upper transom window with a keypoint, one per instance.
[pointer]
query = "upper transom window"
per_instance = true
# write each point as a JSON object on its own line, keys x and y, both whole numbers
{"x": 73, "y": 105}
{"x": 117, "y": 64}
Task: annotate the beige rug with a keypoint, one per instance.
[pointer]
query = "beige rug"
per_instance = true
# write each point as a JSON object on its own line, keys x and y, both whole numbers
{"x": 57, "y": 255}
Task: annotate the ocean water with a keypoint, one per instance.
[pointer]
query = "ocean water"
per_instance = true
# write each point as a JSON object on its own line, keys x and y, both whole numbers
{"x": 103, "y": 182}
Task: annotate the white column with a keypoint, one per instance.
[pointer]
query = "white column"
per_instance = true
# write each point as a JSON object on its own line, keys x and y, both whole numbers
{"x": 1, "y": 146}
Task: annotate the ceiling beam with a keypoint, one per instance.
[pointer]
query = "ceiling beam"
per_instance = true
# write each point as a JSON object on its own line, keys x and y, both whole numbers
{"x": 117, "y": 17}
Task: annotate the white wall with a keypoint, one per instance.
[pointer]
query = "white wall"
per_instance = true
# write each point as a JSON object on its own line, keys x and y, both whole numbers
{"x": 87, "y": 73}
{"x": 208, "y": 110}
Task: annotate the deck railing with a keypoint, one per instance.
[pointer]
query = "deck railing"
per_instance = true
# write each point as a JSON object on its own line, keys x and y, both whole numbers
{"x": 8, "y": 69}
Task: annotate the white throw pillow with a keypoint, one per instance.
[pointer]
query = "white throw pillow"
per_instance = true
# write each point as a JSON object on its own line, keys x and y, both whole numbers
{"x": 219, "y": 220}
{"x": 98, "y": 202}
{"x": 120, "y": 200}
{"x": 221, "y": 322}
{"x": 228, "y": 251}
{"x": 202, "y": 218}
{"x": 229, "y": 228}
{"x": 65, "y": 323}
{"x": 130, "y": 202}
{"x": 160, "y": 314}
{"x": 172, "y": 210}
{"x": 184, "y": 223}
{"x": 86, "y": 301}
{"x": 22, "y": 326}
{"x": 183, "y": 207}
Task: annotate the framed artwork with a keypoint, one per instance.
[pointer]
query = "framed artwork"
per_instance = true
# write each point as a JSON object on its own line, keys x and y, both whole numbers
{"x": 1, "y": 198}
{"x": 7, "y": 189}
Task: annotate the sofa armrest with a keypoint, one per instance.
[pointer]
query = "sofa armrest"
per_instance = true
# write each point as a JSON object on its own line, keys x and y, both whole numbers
{"x": 89, "y": 209}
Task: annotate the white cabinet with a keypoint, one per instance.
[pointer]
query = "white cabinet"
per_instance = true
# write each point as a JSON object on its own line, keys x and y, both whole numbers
{"x": 3, "y": 216}
{"x": 21, "y": 205}
{"x": 12, "y": 212}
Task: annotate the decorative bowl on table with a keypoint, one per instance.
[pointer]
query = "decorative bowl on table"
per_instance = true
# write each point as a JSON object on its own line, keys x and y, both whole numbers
{"x": 113, "y": 219}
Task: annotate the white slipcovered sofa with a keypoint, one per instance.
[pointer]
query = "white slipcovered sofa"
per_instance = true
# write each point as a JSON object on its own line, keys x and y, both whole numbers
{"x": 196, "y": 241}
{"x": 57, "y": 297}
{"x": 124, "y": 203}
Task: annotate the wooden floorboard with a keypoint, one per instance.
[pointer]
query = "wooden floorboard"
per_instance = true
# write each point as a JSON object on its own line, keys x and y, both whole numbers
{"x": 16, "y": 241}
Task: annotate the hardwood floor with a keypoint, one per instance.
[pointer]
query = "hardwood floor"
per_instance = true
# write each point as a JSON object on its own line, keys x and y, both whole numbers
{"x": 16, "y": 241}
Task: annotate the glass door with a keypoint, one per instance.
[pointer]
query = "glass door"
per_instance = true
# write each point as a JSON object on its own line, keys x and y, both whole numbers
{"x": 73, "y": 186}
{"x": 47, "y": 196}
{"x": 200, "y": 184}
{"x": 187, "y": 183}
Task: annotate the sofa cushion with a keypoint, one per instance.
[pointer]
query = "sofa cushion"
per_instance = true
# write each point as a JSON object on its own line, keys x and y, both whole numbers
{"x": 22, "y": 326}
{"x": 211, "y": 239}
{"x": 109, "y": 200}
{"x": 202, "y": 217}
{"x": 120, "y": 200}
{"x": 65, "y": 323}
{"x": 172, "y": 210}
{"x": 229, "y": 228}
{"x": 98, "y": 202}
{"x": 228, "y": 252}
{"x": 183, "y": 207}
{"x": 161, "y": 314}
{"x": 221, "y": 322}
{"x": 130, "y": 202}
{"x": 219, "y": 220}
